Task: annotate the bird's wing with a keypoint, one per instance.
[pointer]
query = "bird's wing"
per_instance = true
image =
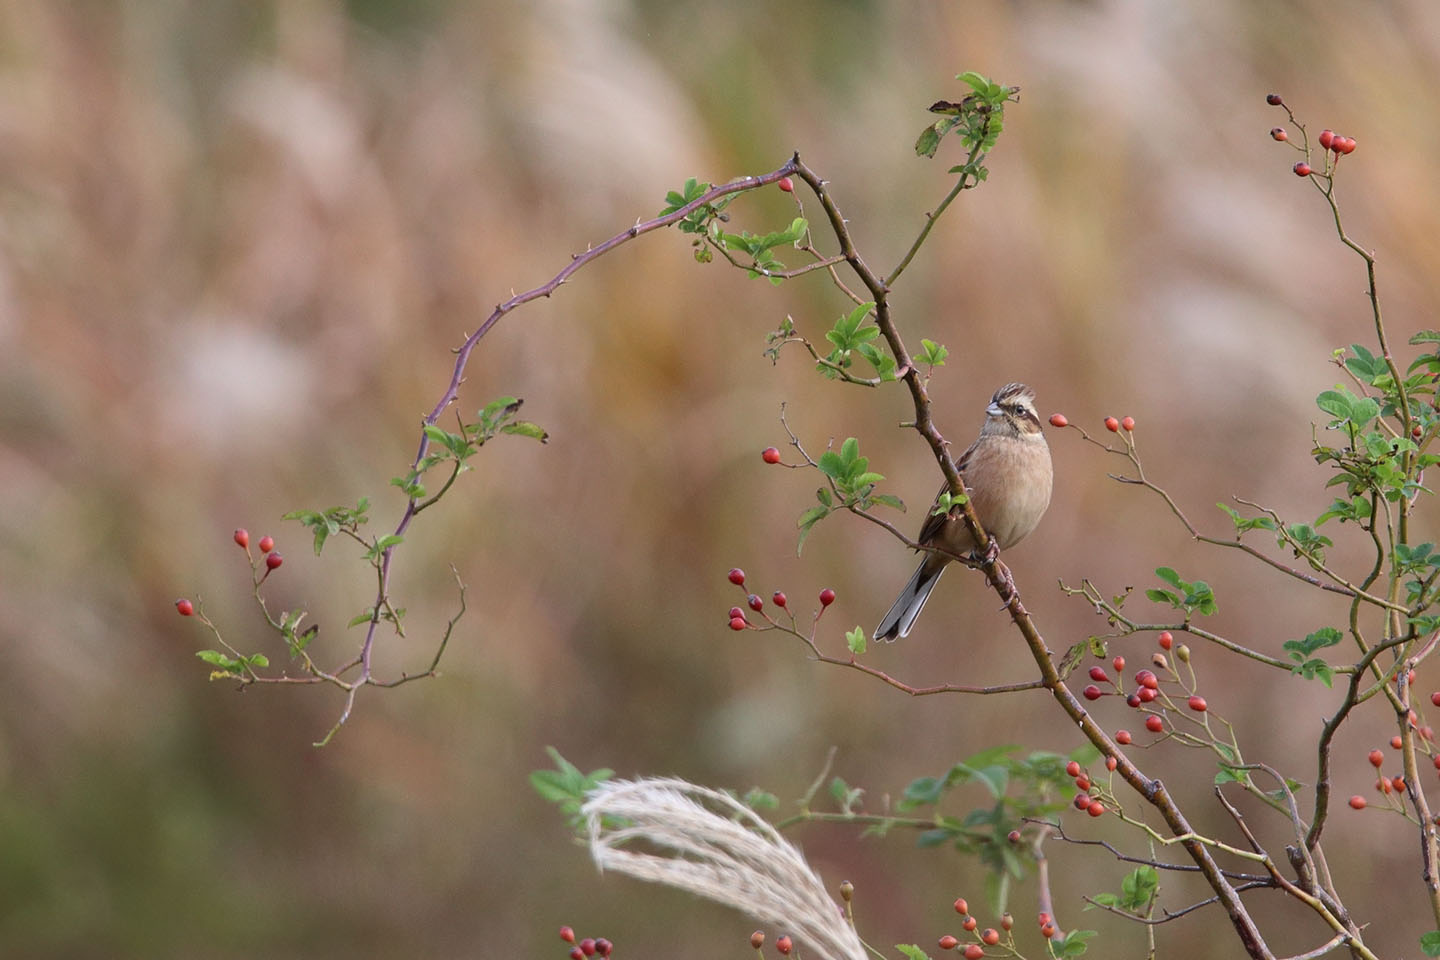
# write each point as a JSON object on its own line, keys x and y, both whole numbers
{"x": 934, "y": 521}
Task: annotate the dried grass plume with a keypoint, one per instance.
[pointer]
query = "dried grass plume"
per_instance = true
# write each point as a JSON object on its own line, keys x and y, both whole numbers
{"x": 693, "y": 838}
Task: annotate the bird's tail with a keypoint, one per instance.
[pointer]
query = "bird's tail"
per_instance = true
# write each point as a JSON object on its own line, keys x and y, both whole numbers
{"x": 907, "y": 607}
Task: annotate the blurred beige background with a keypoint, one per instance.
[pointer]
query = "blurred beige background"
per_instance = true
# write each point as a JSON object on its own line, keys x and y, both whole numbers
{"x": 238, "y": 240}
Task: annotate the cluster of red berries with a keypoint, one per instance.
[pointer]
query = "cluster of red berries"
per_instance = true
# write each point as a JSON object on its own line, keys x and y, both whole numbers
{"x": 1384, "y": 784}
{"x": 273, "y": 560}
{"x": 753, "y": 601}
{"x": 1115, "y": 426}
{"x": 266, "y": 545}
{"x": 589, "y": 947}
{"x": 988, "y": 937}
{"x": 783, "y": 944}
{"x": 1083, "y": 800}
{"x": 1328, "y": 139}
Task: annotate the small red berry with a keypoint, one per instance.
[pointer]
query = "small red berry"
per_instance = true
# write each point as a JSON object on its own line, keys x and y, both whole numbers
{"x": 577, "y": 954}
{"x": 1147, "y": 695}
{"x": 779, "y": 598}
{"x": 755, "y": 602}
{"x": 1092, "y": 692}
{"x": 973, "y": 951}
{"x": 735, "y": 612}
{"x": 948, "y": 942}
{"x": 1111, "y": 763}
{"x": 1382, "y": 785}
{"x": 1095, "y": 809}
{"x": 1435, "y": 698}
{"x": 783, "y": 945}
{"x": 266, "y": 544}
{"x": 827, "y": 597}
{"x": 1198, "y": 704}
{"x": 1007, "y": 922}
{"x": 1058, "y": 420}
{"x": 185, "y": 607}
{"x": 1047, "y": 930}
{"x": 770, "y": 455}
{"x": 603, "y": 947}
{"x": 961, "y": 907}
{"x": 1128, "y": 423}
{"x": 587, "y": 947}
{"x": 1399, "y": 784}
{"x": 1273, "y": 99}
{"x": 990, "y": 936}
{"x": 757, "y": 939}
{"x": 1416, "y": 432}
{"x": 1166, "y": 639}
{"x": 1395, "y": 742}
{"x": 1013, "y": 836}
{"x": 1043, "y": 919}
{"x": 1147, "y": 679}
{"x": 1154, "y": 723}
{"x": 273, "y": 561}
{"x": 1082, "y": 801}
{"x": 1357, "y": 802}
{"x": 1377, "y": 759}
{"x": 1344, "y": 145}
{"x": 242, "y": 537}
{"x": 1112, "y": 424}
{"x": 1082, "y": 782}
{"x": 737, "y": 576}
{"x": 1133, "y": 700}
{"x": 1302, "y": 169}
{"x": 567, "y": 934}
{"x": 1118, "y": 663}
{"x": 1279, "y": 133}
{"x": 786, "y": 184}
{"x": 1072, "y": 769}
{"x": 1122, "y": 737}
{"x": 1437, "y": 762}
{"x": 737, "y": 623}
{"x": 1326, "y": 138}
{"x": 970, "y": 924}
{"x": 1098, "y": 674}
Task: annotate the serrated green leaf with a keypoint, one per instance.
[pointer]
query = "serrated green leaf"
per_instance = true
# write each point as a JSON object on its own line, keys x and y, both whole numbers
{"x": 855, "y": 640}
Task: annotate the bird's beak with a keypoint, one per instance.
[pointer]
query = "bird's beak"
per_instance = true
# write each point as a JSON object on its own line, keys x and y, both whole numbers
{"x": 994, "y": 410}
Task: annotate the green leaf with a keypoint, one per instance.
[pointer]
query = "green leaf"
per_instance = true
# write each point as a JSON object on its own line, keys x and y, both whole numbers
{"x": 928, "y": 141}
{"x": 1426, "y": 336}
{"x": 855, "y": 640}
{"x": 1073, "y": 945}
{"x": 257, "y": 660}
{"x": 364, "y": 616}
{"x": 831, "y": 465}
{"x": 807, "y": 522}
{"x": 757, "y": 799}
{"x": 921, "y": 792}
{"x": 913, "y": 952}
{"x": 885, "y": 499}
{"x": 1430, "y": 942}
{"x": 525, "y": 428}
{"x": 1138, "y": 887}
{"x": 217, "y": 659}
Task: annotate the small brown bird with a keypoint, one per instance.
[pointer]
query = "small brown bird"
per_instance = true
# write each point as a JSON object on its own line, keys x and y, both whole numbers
{"x": 1007, "y": 471}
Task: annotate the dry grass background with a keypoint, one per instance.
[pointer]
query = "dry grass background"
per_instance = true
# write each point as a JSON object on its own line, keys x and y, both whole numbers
{"x": 237, "y": 241}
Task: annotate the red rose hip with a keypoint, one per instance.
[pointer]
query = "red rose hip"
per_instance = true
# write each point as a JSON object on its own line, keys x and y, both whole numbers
{"x": 242, "y": 537}
{"x": 770, "y": 455}
{"x": 266, "y": 544}
{"x": 185, "y": 607}
{"x": 737, "y": 576}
